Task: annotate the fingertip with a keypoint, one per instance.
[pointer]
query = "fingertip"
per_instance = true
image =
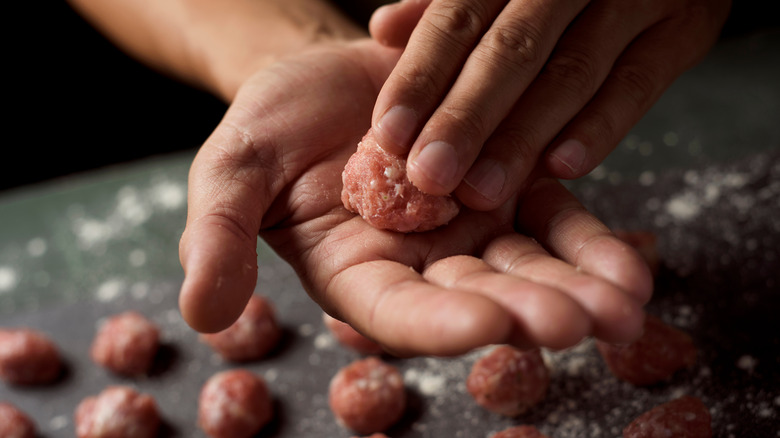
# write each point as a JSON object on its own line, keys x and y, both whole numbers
{"x": 434, "y": 169}
{"x": 485, "y": 186}
{"x": 395, "y": 129}
{"x": 568, "y": 160}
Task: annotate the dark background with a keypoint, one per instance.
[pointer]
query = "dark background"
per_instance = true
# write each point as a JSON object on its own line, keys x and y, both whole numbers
{"x": 75, "y": 102}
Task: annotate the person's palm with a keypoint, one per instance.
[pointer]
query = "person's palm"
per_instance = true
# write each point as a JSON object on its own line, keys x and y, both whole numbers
{"x": 274, "y": 166}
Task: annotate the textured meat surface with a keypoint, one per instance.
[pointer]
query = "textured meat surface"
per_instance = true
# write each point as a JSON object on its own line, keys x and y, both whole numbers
{"x": 117, "y": 412}
{"x": 254, "y": 334}
{"x": 520, "y": 432}
{"x": 367, "y": 396}
{"x": 349, "y": 337}
{"x": 126, "y": 344}
{"x": 28, "y": 357}
{"x": 376, "y": 188}
{"x": 654, "y": 357}
{"x": 508, "y": 381}
{"x": 234, "y": 404}
{"x": 683, "y": 417}
{"x": 14, "y": 423}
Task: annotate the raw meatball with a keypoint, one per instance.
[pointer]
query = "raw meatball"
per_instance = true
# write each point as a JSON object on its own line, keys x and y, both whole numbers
{"x": 251, "y": 337}
{"x": 684, "y": 417}
{"x": 654, "y": 357}
{"x": 509, "y": 381}
{"x": 126, "y": 344}
{"x": 234, "y": 404}
{"x": 14, "y": 423}
{"x": 376, "y": 435}
{"x": 349, "y": 337}
{"x": 645, "y": 242}
{"x": 376, "y": 187}
{"x": 118, "y": 411}
{"x": 367, "y": 396}
{"x": 28, "y": 357}
{"x": 520, "y": 432}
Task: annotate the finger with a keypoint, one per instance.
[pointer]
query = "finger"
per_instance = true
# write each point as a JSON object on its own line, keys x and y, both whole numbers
{"x": 392, "y": 25}
{"x": 435, "y": 53}
{"x": 536, "y": 310}
{"x": 552, "y": 214}
{"x": 639, "y": 77}
{"x": 226, "y": 202}
{"x": 573, "y": 73}
{"x": 394, "y": 305}
{"x": 497, "y": 72}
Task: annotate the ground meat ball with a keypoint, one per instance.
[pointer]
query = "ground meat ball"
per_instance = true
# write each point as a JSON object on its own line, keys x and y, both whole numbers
{"x": 376, "y": 435}
{"x": 376, "y": 187}
{"x": 520, "y": 432}
{"x": 645, "y": 242}
{"x": 659, "y": 353}
{"x": 14, "y": 423}
{"x": 251, "y": 337}
{"x": 118, "y": 411}
{"x": 367, "y": 396}
{"x": 234, "y": 404}
{"x": 683, "y": 417}
{"x": 508, "y": 381}
{"x": 28, "y": 357}
{"x": 126, "y": 344}
{"x": 349, "y": 337}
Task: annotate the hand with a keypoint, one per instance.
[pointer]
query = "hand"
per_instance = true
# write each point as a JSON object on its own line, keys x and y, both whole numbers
{"x": 487, "y": 88}
{"x": 273, "y": 166}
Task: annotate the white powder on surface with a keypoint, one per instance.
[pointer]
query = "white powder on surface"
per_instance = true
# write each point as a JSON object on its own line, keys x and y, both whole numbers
{"x": 37, "y": 247}
{"x": 8, "y": 279}
{"x": 110, "y": 290}
{"x": 747, "y": 363}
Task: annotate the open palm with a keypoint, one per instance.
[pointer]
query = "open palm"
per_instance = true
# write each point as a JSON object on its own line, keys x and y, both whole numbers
{"x": 273, "y": 166}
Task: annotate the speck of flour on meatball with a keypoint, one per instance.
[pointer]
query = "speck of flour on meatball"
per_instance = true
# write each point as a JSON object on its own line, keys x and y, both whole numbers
{"x": 126, "y": 344}
{"x": 254, "y": 334}
{"x": 15, "y": 423}
{"x": 234, "y": 404}
{"x": 28, "y": 357}
{"x": 367, "y": 396}
{"x": 509, "y": 381}
{"x": 118, "y": 411}
{"x": 376, "y": 187}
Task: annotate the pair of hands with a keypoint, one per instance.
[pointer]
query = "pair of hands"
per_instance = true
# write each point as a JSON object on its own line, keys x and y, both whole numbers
{"x": 536, "y": 270}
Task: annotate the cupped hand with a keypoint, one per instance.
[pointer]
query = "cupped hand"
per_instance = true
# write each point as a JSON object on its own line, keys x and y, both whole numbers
{"x": 485, "y": 89}
{"x": 273, "y": 166}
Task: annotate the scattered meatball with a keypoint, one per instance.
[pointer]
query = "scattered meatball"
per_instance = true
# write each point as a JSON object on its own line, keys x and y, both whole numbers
{"x": 28, "y": 357}
{"x": 118, "y": 411}
{"x": 520, "y": 432}
{"x": 645, "y": 242}
{"x": 126, "y": 344}
{"x": 376, "y": 187}
{"x": 251, "y": 337}
{"x": 509, "y": 381}
{"x": 349, "y": 337}
{"x": 15, "y": 423}
{"x": 367, "y": 396}
{"x": 234, "y": 404}
{"x": 684, "y": 417}
{"x": 654, "y": 357}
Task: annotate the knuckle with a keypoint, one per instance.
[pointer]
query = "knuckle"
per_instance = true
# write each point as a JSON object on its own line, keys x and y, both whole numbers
{"x": 574, "y": 72}
{"x": 601, "y": 128}
{"x": 422, "y": 82}
{"x": 517, "y": 46}
{"x": 458, "y": 18}
{"x": 521, "y": 144}
{"x": 638, "y": 83}
{"x": 468, "y": 119}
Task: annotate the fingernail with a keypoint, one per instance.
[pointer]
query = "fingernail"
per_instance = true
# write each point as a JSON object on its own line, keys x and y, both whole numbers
{"x": 571, "y": 153}
{"x": 439, "y": 162}
{"x": 398, "y": 125}
{"x": 487, "y": 177}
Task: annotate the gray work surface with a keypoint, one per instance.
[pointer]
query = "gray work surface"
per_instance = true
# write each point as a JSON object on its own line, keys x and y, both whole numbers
{"x": 701, "y": 170}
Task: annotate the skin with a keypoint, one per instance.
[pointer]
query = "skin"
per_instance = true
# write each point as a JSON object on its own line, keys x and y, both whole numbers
{"x": 486, "y": 89}
{"x": 272, "y": 168}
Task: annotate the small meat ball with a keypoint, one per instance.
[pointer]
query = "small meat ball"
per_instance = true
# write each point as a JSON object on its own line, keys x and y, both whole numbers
{"x": 118, "y": 411}
{"x": 126, "y": 344}
{"x": 367, "y": 396}
{"x": 654, "y": 357}
{"x": 15, "y": 423}
{"x": 28, "y": 357}
{"x": 234, "y": 404}
{"x": 520, "y": 432}
{"x": 251, "y": 337}
{"x": 509, "y": 381}
{"x": 376, "y": 435}
{"x": 349, "y": 337}
{"x": 376, "y": 188}
{"x": 683, "y": 417}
